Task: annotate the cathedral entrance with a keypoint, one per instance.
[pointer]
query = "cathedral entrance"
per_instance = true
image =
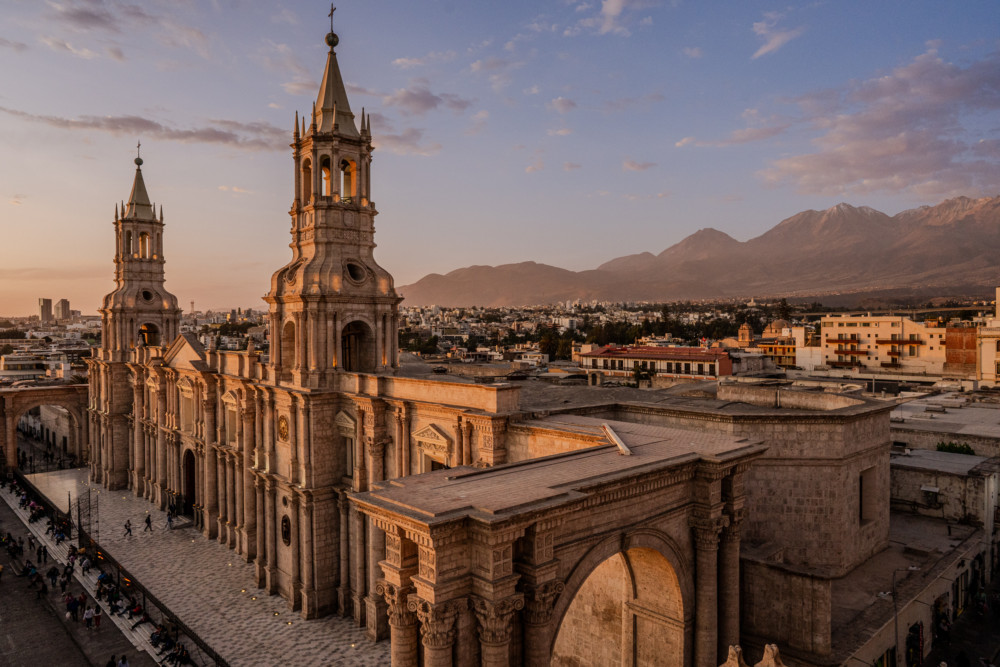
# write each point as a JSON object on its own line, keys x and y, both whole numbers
{"x": 358, "y": 353}
{"x": 188, "y": 477}
{"x": 628, "y": 611}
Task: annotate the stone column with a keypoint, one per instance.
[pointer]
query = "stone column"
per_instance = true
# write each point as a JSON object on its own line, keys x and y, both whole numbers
{"x": 729, "y": 585}
{"x": 161, "y": 450}
{"x": 230, "y": 503}
{"x": 406, "y": 442}
{"x": 437, "y": 628}
{"x": 538, "y": 603}
{"x": 466, "y": 443}
{"x": 359, "y": 554}
{"x": 271, "y": 521}
{"x": 344, "y": 590}
{"x": 137, "y": 439}
{"x": 223, "y": 518}
{"x": 706, "y": 633}
{"x": 211, "y": 473}
{"x": 402, "y": 624}
{"x": 259, "y": 562}
{"x": 308, "y": 557}
{"x": 246, "y": 482}
{"x": 375, "y": 616}
{"x": 495, "y": 628}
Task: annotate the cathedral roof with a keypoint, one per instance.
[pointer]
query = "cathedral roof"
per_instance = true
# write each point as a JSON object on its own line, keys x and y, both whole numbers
{"x": 331, "y": 104}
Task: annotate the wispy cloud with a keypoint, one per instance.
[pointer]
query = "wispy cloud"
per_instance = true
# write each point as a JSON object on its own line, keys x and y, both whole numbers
{"x": 417, "y": 99}
{"x": 537, "y": 165}
{"x": 611, "y": 18}
{"x": 16, "y": 46}
{"x": 561, "y": 132}
{"x": 285, "y": 15}
{"x": 478, "y": 122}
{"x": 900, "y": 132}
{"x": 432, "y": 57}
{"x": 280, "y": 58}
{"x": 773, "y": 37}
{"x": 571, "y": 166}
{"x": 115, "y": 53}
{"x": 561, "y": 105}
{"x": 17, "y": 200}
{"x": 61, "y": 45}
{"x": 249, "y": 136}
{"x": 692, "y": 51}
{"x": 235, "y": 189}
{"x": 632, "y": 165}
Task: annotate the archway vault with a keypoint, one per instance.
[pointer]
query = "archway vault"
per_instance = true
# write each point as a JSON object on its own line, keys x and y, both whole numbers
{"x": 16, "y": 402}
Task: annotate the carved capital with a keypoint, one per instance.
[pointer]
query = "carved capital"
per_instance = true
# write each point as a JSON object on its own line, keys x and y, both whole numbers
{"x": 396, "y": 600}
{"x": 734, "y": 529}
{"x": 706, "y": 530}
{"x": 495, "y": 618}
{"x": 437, "y": 621}
{"x": 539, "y": 601}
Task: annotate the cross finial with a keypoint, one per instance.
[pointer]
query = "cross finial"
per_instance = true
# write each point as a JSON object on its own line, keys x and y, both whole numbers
{"x": 138, "y": 145}
{"x": 332, "y": 10}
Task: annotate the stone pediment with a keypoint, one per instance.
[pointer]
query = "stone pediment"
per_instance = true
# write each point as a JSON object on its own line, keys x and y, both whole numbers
{"x": 432, "y": 439}
{"x": 345, "y": 423}
{"x": 185, "y": 353}
{"x": 230, "y": 398}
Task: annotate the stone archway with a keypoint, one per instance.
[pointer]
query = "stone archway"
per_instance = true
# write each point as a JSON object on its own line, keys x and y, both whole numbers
{"x": 629, "y": 610}
{"x": 14, "y": 403}
{"x": 188, "y": 483}
{"x": 358, "y": 347}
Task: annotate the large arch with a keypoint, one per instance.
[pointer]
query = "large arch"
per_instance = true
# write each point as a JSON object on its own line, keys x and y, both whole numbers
{"x": 646, "y": 625}
{"x": 14, "y": 403}
{"x": 358, "y": 347}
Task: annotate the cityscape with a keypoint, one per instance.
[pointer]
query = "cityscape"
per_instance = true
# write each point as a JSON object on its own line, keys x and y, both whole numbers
{"x": 704, "y": 452}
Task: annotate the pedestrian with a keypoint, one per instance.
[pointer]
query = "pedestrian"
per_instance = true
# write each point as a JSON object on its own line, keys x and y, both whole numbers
{"x": 149, "y": 523}
{"x": 170, "y": 521}
{"x": 42, "y": 591}
{"x": 123, "y": 662}
{"x": 88, "y": 617}
{"x": 128, "y": 528}
{"x": 45, "y": 554}
{"x": 97, "y": 617}
{"x": 112, "y": 662}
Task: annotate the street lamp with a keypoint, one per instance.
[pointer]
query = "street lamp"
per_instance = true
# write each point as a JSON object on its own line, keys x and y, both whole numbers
{"x": 895, "y": 604}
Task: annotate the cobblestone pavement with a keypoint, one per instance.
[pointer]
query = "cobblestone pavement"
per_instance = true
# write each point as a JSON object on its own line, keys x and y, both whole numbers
{"x": 210, "y": 588}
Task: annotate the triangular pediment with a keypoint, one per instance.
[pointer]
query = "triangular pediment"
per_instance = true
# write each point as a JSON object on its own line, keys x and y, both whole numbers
{"x": 230, "y": 397}
{"x": 185, "y": 353}
{"x": 344, "y": 420}
{"x": 433, "y": 434}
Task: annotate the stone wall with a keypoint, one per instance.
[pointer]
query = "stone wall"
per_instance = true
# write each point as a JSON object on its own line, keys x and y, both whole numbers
{"x": 791, "y": 609}
{"x": 920, "y": 439}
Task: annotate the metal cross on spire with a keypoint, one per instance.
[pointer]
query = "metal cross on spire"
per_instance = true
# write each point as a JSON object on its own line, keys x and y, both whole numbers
{"x": 332, "y": 10}
{"x": 138, "y": 145}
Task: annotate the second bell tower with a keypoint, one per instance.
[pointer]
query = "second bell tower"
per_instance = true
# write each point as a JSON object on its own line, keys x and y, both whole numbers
{"x": 332, "y": 307}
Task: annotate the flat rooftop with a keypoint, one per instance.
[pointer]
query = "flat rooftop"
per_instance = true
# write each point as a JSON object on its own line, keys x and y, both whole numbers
{"x": 934, "y": 461}
{"x": 497, "y": 493}
{"x": 950, "y": 413}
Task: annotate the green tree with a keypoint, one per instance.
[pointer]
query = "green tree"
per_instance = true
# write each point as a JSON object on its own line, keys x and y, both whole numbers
{"x": 784, "y": 310}
{"x": 955, "y": 448}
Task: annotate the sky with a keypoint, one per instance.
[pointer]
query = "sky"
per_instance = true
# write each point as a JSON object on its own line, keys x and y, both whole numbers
{"x": 567, "y": 132}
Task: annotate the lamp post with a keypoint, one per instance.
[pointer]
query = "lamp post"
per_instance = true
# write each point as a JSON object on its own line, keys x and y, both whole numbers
{"x": 895, "y": 604}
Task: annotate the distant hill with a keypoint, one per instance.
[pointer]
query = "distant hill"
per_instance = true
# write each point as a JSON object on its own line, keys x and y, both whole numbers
{"x": 951, "y": 246}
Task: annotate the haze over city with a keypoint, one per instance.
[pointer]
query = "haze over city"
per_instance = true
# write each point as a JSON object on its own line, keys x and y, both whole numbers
{"x": 567, "y": 132}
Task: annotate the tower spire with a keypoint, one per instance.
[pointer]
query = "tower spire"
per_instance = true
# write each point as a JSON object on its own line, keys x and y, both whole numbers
{"x": 331, "y": 102}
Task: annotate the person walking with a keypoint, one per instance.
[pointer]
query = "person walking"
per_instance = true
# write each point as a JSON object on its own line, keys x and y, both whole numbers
{"x": 88, "y": 617}
{"x": 123, "y": 662}
{"x": 112, "y": 662}
{"x": 128, "y": 528}
{"x": 170, "y": 521}
{"x": 149, "y": 524}
{"x": 97, "y": 617}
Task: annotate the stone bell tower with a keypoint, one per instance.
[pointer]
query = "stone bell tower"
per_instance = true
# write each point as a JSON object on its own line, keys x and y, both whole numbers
{"x": 138, "y": 312}
{"x": 332, "y": 307}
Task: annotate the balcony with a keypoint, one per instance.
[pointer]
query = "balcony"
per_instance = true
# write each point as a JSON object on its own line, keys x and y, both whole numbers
{"x": 842, "y": 341}
{"x": 891, "y": 364}
{"x": 894, "y": 353}
{"x": 898, "y": 341}
{"x": 852, "y": 353}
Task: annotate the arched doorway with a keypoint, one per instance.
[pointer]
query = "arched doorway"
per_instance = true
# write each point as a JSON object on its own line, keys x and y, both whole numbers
{"x": 189, "y": 485}
{"x": 629, "y": 610}
{"x": 358, "y": 343}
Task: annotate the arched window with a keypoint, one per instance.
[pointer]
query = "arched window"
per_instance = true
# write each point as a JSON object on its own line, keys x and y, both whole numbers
{"x": 144, "y": 245}
{"x": 348, "y": 180}
{"x": 128, "y": 244}
{"x": 288, "y": 349}
{"x": 307, "y": 181}
{"x": 150, "y": 334}
{"x": 158, "y": 250}
{"x": 327, "y": 185}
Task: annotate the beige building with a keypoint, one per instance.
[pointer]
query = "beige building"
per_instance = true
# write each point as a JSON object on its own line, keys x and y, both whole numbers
{"x": 890, "y": 344}
{"x": 988, "y": 349}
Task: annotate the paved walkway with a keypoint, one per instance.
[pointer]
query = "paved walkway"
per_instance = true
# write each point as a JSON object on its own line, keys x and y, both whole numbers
{"x": 33, "y": 630}
{"x": 978, "y": 635}
{"x": 209, "y": 588}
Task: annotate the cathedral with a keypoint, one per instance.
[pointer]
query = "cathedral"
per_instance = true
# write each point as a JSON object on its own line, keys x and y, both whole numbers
{"x": 507, "y": 523}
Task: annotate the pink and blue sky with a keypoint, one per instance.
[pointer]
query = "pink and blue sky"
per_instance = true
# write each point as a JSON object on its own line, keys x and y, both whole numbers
{"x": 567, "y": 132}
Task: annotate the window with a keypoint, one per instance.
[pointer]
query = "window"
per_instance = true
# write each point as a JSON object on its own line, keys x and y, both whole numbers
{"x": 349, "y": 181}
{"x": 144, "y": 245}
{"x": 307, "y": 180}
{"x": 349, "y": 456}
{"x": 326, "y": 184}
{"x": 231, "y": 418}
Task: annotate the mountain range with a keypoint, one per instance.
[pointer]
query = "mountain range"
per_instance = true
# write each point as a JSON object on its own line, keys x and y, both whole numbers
{"x": 844, "y": 249}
